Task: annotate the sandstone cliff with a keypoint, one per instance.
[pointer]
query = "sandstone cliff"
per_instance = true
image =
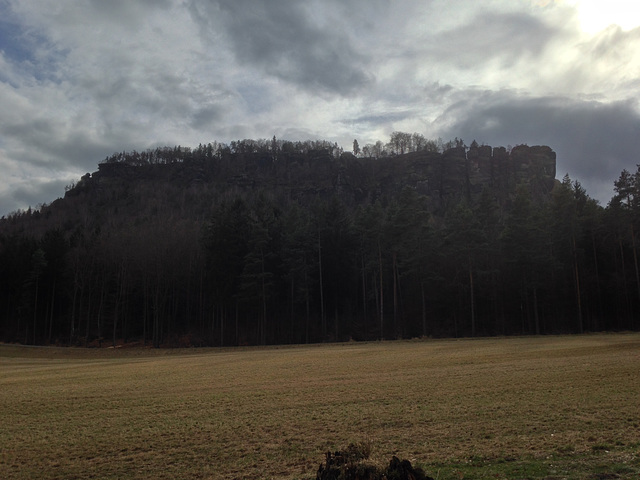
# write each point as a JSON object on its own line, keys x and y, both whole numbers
{"x": 444, "y": 178}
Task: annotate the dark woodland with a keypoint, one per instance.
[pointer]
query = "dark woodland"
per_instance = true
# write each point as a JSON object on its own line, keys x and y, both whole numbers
{"x": 275, "y": 242}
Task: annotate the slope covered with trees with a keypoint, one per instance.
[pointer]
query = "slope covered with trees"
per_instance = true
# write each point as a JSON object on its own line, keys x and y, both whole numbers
{"x": 270, "y": 241}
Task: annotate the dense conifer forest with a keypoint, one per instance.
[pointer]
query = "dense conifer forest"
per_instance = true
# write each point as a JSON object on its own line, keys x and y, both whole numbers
{"x": 273, "y": 242}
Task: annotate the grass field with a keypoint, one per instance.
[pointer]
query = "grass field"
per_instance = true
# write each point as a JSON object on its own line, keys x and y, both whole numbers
{"x": 543, "y": 407}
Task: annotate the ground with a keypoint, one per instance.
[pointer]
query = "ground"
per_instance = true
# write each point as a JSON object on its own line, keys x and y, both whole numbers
{"x": 532, "y": 407}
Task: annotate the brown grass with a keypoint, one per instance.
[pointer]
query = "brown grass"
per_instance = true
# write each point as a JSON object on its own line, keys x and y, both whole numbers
{"x": 460, "y": 409}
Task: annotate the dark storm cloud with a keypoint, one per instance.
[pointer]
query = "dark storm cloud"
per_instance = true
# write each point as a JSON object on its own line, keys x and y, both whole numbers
{"x": 289, "y": 41}
{"x": 594, "y": 141}
{"x": 33, "y": 194}
{"x": 49, "y": 143}
{"x": 206, "y": 116}
{"x": 42, "y": 192}
{"x": 387, "y": 118}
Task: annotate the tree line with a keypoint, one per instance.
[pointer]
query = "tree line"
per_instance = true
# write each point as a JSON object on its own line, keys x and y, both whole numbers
{"x": 137, "y": 260}
{"x": 399, "y": 143}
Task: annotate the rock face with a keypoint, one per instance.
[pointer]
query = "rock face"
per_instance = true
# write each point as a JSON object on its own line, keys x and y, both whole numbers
{"x": 444, "y": 178}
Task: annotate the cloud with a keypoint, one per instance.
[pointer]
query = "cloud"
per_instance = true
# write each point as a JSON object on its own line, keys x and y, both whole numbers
{"x": 80, "y": 80}
{"x": 607, "y": 63}
{"x": 36, "y": 193}
{"x": 593, "y": 140}
{"x": 287, "y": 40}
{"x": 507, "y": 38}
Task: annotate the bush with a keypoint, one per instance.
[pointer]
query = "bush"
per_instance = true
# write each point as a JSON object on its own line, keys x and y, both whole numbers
{"x": 349, "y": 465}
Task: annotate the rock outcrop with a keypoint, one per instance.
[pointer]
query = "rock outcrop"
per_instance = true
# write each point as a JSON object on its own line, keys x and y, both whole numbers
{"x": 444, "y": 178}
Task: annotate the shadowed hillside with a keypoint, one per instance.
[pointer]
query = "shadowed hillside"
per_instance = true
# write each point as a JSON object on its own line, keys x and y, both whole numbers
{"x": 262, "y": 242}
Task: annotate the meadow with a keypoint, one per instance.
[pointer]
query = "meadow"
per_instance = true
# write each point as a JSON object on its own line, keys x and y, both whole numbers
{"x": 532, "y": 407}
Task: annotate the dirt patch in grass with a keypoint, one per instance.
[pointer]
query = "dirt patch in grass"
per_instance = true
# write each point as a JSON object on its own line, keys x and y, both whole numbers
{"x": 543, "y": 407}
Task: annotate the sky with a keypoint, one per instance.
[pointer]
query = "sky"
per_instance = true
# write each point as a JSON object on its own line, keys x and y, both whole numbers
{"x": 82, "y": 79}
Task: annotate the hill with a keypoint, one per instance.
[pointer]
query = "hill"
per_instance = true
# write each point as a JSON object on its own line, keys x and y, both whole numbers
{"x": 278, "y": 242}
{"x": 300, "y": 173}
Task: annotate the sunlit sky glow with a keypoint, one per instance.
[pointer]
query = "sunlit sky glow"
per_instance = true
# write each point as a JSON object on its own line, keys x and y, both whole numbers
{"x": 596, "y": 15}
{"x": 81, "y": 80}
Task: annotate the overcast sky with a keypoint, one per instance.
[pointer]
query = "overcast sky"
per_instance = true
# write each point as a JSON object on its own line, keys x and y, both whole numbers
{"x": 82, "y": 79}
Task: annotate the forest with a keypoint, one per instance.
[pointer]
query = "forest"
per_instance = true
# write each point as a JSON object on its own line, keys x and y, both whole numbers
{"x": 274, "y": 242}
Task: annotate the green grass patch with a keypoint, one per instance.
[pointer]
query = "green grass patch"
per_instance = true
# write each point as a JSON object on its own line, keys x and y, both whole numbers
{"x": 576, "y": 467}
{"x": 512, "y": 408}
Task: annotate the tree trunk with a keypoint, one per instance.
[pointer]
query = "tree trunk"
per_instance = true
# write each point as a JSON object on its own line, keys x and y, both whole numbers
{"x": 595, "y": 325}
{"x": 308, "y": 304}
{"x": 635, "y": 259}
{"x": 395, "y": 295}
{"x": 624, "y": 281}
{"x": 53, "y": 299}
{"x": 119, "y": 295}
{"x": 88, "y": 322}
{"x": 35, "y": 312}
{"x": 72, "y": 326}
{"x": 535, "y": 310}
{"x": 322, "y": 317}
{"x": 424, "y": 310}
{"x": 473, "y": 302}
{"x": 237, "y": 322}
{"x": 291, "y": 310}
{"x": 577, "y": 279}
{"x": 103, "y": 294}
{"x": 145, "y": 310}
{"x": 364, "y": 299}
{"x": 381, "y": 293}
{"x": 222, "y": 315}
{"x": 263, "y": 333}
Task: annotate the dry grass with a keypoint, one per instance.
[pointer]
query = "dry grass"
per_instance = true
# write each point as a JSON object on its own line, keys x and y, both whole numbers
{"x": 554, "y": 407}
